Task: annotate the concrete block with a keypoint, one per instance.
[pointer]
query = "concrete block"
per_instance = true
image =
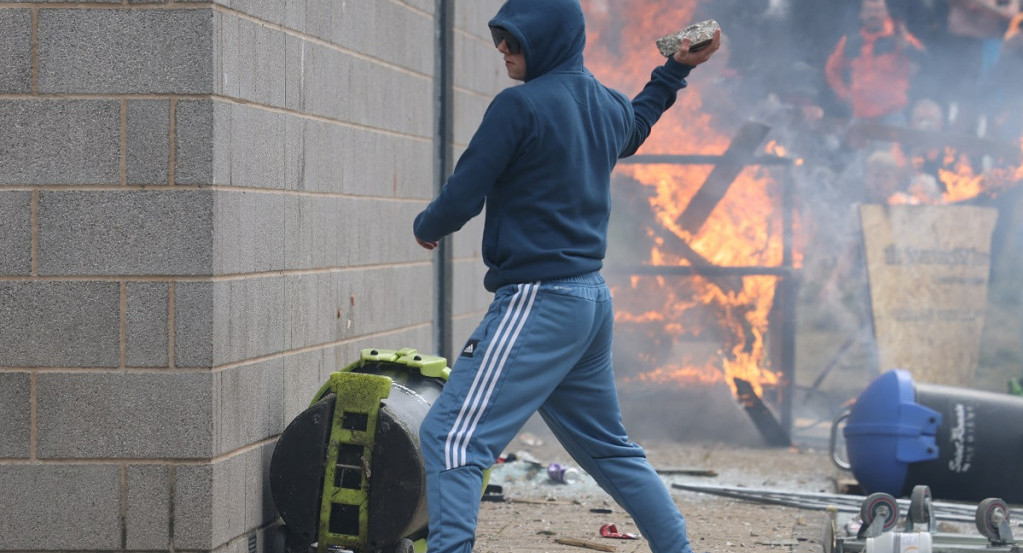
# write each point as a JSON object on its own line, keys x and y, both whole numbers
{"x": 329, "y": 151}
{"x": 104, "y": 51}
{"x": 147, "y": 232}
{"x": 294, "y": 152}
{"x": 15, "y": 415}
{"x": 15, "y": 51}
{"x": 295, "y": 15}
{"x": 472, "y": 17}
{"x": 147, "y": 516}
{"x": 227, "y": 61}
{"x": 325, "y": 82}
{"x": 147, "y": 331}
{"x": 320, "y": 18}
{"x": 148, "y": 155}
{"x": 273, "y": 11}
{"x": 262, "y": 54}
{"x": 259, "y": 504}
{"x": 304, "y": 374}
{"x": 401, "y": 163}
{"x": 193, "y": 507}
{"x": 59, "y": 324}
{"x": 294, "y": 72}
{"x": 60, "y": 141}
{"x": 223, "y": 146}
{"x": 228, "y": 499}
{"x": 216, "y": 503}
{"x": 193, "y": 324}
{"x": 249, "y": 232}
{"x": 228, "y": 321}
{"x": 402, "y": 25}
{"x": 313, "y": 309}
{"x": 124, "y": 415}
{"x": 257, "y": 147}
{"x": 253, "y": 59}
{"x": 245, "y": 73}
{"x": 413, "y": 168}
{"x": 249, "y": 318}
{"x": 371, "y": 243}
{"x": 193, "y": 142}
{"x": 60, "y": 507}
{"x": 248, "y": 403}
{"x": 15, "y": 232}
{"x": 388, "y": 298}
{"x": 313, "y": 231}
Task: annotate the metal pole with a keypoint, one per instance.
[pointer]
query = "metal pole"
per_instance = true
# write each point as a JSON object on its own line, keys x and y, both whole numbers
{"x": 789, "y": 290}
{"x": 444, "y": 18}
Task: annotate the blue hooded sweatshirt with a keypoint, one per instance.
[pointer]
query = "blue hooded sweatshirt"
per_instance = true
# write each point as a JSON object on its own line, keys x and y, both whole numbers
{"x": 542, "y": 157}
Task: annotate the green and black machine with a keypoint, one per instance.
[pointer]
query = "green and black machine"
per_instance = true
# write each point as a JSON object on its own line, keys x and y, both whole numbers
{"x": 347, "y": 473}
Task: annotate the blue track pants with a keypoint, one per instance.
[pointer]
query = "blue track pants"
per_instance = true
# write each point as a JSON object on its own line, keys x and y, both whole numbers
{"x": 542, "y": 346}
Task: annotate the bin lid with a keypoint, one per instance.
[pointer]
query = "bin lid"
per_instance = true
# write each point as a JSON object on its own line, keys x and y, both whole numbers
{"x": 887, "y": 431}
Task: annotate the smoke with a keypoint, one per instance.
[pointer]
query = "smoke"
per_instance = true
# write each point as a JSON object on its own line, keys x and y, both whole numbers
{"x": 772, "y": 70}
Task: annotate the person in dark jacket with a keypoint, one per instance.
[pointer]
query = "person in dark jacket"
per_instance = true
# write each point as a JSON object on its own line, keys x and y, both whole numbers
{"x": 541, "y": 163}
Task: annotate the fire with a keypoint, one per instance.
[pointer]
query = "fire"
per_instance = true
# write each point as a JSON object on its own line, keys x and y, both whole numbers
{"x": 744, "y": 229}
{"x": 674, "y": 313}
{"x": 961, "y": 182}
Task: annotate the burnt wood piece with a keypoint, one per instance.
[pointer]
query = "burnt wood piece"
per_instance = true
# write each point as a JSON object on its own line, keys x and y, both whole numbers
{"x": 772, "y": 431}
{"x": 732, "y": 162}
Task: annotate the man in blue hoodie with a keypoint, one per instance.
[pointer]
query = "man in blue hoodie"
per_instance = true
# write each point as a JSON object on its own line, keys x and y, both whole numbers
{"x": 541, "y": 162}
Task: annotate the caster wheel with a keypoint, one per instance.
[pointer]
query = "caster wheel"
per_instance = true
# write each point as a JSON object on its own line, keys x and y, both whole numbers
{"x": 920, "y": 505}
{"x": 830, "y": 538}
{"x": 991, "y": 514}
{"x": 405, "y": 546}
{"x": 880, "y": 508}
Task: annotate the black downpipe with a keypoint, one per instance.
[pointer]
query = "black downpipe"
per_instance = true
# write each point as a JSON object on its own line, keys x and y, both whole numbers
{"x": 444, "y": 31}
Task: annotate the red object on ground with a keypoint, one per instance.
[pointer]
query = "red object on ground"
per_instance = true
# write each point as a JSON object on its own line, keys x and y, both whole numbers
{"x": 611, "y": 531}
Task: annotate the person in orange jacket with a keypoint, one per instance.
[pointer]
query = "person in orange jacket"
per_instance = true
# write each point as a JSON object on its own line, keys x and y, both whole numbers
{"x": 872, "y": 70}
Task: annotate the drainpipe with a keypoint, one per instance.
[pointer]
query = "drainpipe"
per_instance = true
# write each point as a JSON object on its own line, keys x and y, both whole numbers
{"x": 443, "y": 87}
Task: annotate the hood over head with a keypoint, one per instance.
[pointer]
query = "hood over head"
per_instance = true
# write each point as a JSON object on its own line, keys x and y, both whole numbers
{"x": 552, "y": 33}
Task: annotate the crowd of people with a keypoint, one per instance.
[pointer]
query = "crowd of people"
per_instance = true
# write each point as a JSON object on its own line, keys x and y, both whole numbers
{"x": 876, "y": 60}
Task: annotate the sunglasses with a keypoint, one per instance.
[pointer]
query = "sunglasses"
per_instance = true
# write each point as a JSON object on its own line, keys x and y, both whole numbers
{"x": 502, "y": 35}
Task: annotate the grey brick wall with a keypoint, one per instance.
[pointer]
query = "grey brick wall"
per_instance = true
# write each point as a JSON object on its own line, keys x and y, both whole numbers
{"x": 205, "y": 209}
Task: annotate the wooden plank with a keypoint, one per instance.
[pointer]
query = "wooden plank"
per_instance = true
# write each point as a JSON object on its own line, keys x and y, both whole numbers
{"x": 928, "y": 269}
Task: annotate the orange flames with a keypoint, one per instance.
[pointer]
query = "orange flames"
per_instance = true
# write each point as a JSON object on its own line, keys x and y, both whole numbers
{"x": 961, "y": 182}
{"x": 744, "y": 229}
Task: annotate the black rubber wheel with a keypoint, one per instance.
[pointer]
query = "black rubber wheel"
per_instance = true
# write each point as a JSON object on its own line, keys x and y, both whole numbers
{"x": 920, "y": 505}
{"x": 990, "y": 514}
{"x": 880, "y": 506}
{"x": 278, "y": 539}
